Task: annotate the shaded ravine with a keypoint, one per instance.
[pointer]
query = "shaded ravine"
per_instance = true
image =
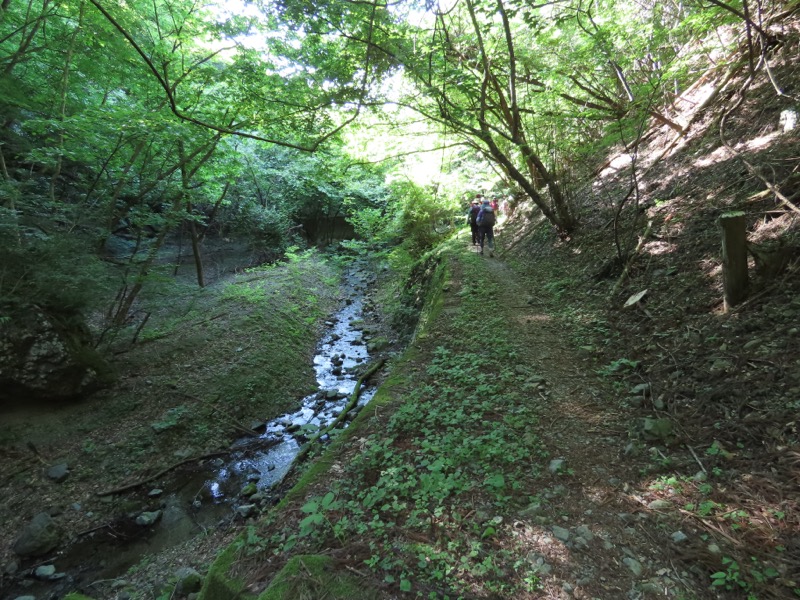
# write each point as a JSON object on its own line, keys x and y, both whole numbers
{"x": 341, "y": 351}
{"x": 223, "y": 490}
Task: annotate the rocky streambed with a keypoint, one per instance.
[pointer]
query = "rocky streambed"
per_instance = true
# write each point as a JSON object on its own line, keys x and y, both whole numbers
{"x": 197, "y": 496}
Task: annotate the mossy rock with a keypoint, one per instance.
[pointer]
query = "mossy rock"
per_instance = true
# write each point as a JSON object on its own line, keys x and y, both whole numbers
{"x": 47, "y": 356}
{"x": 315, "y": 576}
{"x": 218, "y": 584}
{"x": 378, "y": 344}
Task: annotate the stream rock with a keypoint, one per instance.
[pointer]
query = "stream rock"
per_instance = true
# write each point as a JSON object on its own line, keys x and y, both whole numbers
{"x": 39, "y": 537}
{"x": 175, "y": 525}
{"x": 249, "y": 489}
{"x": 44, "y": 572}
{"x": 148, "y": 517}
{"x": 58, "y": 473}
{"x": 245, "y": 510}
{"x": 47, "y": 357}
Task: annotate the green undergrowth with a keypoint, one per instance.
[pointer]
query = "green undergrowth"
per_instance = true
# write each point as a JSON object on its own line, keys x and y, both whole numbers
{"x": 259, "y": 331}
{"x": 314, "y": 576}
{"x": 223, "y": 356}
{"x": 425, "y": 503}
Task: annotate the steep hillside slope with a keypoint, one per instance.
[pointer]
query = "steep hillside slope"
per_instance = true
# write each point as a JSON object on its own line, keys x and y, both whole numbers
{"x": 725, "y": 383}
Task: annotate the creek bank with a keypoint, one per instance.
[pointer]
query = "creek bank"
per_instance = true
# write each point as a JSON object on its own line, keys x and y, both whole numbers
{"x": 219, "y": 493}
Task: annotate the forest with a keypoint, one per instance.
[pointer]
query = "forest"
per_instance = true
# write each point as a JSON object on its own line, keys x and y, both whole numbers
{"x": 217, "y": 216}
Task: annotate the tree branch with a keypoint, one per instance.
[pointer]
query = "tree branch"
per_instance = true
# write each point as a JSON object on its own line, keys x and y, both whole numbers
{"x": 173, "y": 105}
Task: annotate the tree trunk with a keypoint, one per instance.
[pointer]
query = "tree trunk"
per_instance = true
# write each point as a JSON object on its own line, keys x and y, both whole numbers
{"x": 198, "y": 258}
{"x": 559, "y": 213}
{"x": 186, "y": 195}
{"x": 62, "y": 108}
{"x": 126, "y": 302}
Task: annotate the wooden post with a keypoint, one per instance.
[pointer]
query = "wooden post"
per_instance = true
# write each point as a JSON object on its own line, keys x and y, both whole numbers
{"x": 734, "y": 258}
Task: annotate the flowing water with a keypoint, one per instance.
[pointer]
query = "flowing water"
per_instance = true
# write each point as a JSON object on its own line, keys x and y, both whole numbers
{"x": 210, "y": 496}
{"x": 342, "y": 350}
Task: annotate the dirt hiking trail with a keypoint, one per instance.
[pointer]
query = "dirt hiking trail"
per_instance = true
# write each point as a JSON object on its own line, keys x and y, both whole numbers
{"x": 595, "y": 535}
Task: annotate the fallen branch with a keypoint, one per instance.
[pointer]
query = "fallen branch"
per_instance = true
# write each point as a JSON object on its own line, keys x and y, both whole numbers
{"x": 771, "y": 187}
{"x": 161, "y": 473}
{"x": 697, "y": 460}
{"x": 633, "y": 256}
{"x": 232, "y": 422}
{"x": 351, "y": 404}
{"x": 92, "y": 530}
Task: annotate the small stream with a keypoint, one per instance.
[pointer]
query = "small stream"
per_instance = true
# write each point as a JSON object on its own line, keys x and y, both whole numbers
{"x": 342, "y": 350}
{"x": 210, "y": 496}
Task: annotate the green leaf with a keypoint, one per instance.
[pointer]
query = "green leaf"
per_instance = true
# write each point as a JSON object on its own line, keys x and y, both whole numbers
{"x": 311, "y": 520}
{"x": 496, "y": 481}
{"x": 327, "y": 501}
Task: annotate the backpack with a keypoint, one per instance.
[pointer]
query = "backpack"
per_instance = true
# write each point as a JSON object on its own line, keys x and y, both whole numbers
{"x": 473, "y": 214}
{"x": 486, "y": 217}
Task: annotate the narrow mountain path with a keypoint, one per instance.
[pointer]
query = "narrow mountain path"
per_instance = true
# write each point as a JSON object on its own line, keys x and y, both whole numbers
{"x": 596, "y": 532}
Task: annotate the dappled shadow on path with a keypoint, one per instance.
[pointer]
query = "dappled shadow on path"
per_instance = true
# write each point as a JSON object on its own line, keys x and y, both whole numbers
{"x": 592, "y": 528}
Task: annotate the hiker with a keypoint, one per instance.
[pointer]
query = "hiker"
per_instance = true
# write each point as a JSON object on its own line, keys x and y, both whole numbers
{"x": 472, "y": 217}
{"x": 495, "y": 205}
{"x": 485, "y": 221}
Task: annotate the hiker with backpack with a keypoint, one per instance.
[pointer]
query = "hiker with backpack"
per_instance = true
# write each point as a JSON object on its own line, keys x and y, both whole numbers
{"x": 485, "y": 221}
{"x": 472, "y": 217}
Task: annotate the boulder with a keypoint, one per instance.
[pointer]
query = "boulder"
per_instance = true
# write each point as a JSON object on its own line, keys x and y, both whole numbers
{"x": 656, "y": 429}
{"x": 39, "y": 537}
{"x": 47, "y": 357}
{"x": 560, "y": 533}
